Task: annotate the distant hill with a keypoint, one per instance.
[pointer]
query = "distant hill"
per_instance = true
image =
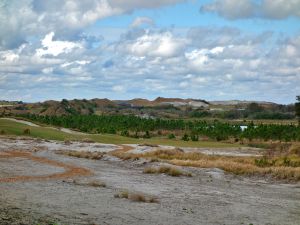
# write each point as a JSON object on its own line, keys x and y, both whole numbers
{"x": 159, "y": 107}
{"x": 165, "y": 101}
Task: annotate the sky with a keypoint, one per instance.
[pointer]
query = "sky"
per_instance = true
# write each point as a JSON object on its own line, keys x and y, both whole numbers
{"x": 123, "y": 49}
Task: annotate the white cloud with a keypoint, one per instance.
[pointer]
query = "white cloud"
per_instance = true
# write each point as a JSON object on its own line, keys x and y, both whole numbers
{"x": 157, "y": 45}
{"x": 54, "y": 48}
{"x": 21, "y": 19}
{"x": 280, "y": 9}
{"x": 231, "y": 9}
{"x": 239, "y": 67}
{"x": 241, "y": 9}
{"x": 139, "y": 21}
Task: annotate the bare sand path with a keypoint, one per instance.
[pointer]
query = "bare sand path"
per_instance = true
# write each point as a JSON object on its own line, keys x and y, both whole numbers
{"x": 70, "y": 170}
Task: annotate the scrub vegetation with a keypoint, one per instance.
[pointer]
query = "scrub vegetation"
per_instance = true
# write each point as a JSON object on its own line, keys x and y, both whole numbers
{"x": 276, "y": 165}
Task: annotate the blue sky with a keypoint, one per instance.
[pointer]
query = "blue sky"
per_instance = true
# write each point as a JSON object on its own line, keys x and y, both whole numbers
{"x": 121, "y": 49}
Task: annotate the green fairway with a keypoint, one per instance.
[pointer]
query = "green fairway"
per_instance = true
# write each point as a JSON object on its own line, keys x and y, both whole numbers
{"x": 15, "y": 128}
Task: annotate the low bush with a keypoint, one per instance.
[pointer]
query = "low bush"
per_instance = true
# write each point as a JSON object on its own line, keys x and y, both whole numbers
{"x": 169, "y": 170}
{"x": 81, "y": 154}
{"x": 136, "y": 197}
{"x": 26, "y": 131}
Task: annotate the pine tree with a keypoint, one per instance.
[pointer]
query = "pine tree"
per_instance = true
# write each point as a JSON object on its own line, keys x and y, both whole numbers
{"x": 297, "y": 109}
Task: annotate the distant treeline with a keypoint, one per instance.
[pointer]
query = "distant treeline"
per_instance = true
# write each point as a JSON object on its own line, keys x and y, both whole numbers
{"x": 124, "y": 124}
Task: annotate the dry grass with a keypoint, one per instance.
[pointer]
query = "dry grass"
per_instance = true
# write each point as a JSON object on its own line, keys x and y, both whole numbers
{"x": 96, "y": 183}
{"x": 169, "y": 170}
{"x": 285, "y": 167}
{"x": 295, "y": 149}
{"x": 81, "y": 154}
{"x": 88, "y": 140}
{"x": 136, "y": 197}
{"x": 281, "y": 172}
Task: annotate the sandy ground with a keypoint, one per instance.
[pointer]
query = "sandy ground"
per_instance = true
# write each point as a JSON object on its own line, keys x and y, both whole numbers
{"x": 209, "y": 197}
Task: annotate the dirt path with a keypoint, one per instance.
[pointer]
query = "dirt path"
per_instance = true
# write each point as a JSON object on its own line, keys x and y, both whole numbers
{"x": 70, "y": 171}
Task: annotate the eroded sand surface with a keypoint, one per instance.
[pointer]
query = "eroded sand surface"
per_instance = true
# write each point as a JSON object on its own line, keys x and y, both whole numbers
{"x": 209, "y": 197}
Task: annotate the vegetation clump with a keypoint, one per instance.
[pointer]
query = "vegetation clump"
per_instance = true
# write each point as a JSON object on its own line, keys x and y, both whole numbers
{"x": 26, "y": 131}
{"x": 96, "y": 183}
{"x": 171, "y": 136}
{"x": 81, "y": 154}
{"x": 136, "y": 197}
{"x": 276, "y": 166}
{"x": 169, "y": 170}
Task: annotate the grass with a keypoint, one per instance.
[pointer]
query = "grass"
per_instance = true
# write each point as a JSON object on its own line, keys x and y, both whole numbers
{"x": 169, "y": 170}
{"x": 93, "y": 183}
{"x": 136, "y": 197}
{"x": 81, "y": 154}
{"x": 96, "y": 183}
{"x": 8, "y": 127}
{"x": 285, "y": 167}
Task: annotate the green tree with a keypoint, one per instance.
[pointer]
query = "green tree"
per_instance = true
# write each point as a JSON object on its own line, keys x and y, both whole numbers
{"x": 297, "y": 108}
{"x": 171, "y": 136}
{"x": 185, "y": 137}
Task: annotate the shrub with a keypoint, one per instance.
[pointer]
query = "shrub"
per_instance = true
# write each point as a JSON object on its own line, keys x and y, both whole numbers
{"x": 185, "y": 137}
{"x": 169, "y": 170}
{"x": 97, "y": 184}
{"x": 81, "y": 154}
{"x": 26, "y": 131}
{"x": 125, "y": 133}
{"x": 171, "y": 136}
{"x": 136, "y": 197}
{"x": 147, "y": 134}
{"x": 195, "y": 138}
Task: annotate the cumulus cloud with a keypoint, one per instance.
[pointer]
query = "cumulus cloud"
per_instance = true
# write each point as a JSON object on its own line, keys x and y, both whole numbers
{"x": 54, "y": 48}
{"x": 231, "y": 9}
{"x": 20, "y": 19}
{"x": 162, "y": 44}
{"x": 280, "y": 9}
{"x": 241, "y": 9}
{"x": 222, "y": 63}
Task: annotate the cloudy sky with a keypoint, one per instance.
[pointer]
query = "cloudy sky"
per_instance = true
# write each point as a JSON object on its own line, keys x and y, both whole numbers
{"x": 121, "y": 49}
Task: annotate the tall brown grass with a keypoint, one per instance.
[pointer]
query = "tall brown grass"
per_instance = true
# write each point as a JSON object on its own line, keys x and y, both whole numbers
{"x": 285, "y": 167}
{"x": 169, "y": 170}
{"x": 136, "y": 197}
{"x": 81, "y": 154}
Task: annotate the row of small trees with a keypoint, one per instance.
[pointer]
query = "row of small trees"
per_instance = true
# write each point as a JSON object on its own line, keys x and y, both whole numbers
{"x": 128, "y": 125}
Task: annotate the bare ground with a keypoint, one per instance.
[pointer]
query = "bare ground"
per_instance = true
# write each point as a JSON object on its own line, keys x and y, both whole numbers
{"x": 209, "y": 197}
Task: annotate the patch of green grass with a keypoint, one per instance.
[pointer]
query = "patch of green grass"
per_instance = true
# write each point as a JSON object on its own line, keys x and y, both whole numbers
{"x": 14, "y": 128}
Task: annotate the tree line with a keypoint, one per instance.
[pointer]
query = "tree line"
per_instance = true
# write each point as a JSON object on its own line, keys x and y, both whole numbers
{"x": 126, "y": 124}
